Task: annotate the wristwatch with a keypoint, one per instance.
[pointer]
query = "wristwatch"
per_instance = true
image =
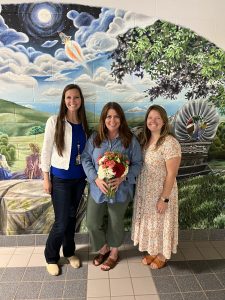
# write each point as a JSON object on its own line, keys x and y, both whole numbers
{"x": 166, "y": 200}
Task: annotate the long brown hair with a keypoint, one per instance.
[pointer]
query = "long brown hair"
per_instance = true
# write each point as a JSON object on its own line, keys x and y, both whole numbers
{"x": 60, "y": 124}
{"x": 124, "y": 131}
{"x": 165, "y": 130}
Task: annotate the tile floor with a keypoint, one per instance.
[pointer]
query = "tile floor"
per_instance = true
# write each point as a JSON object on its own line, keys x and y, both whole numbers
{"x": 197, "y": 271}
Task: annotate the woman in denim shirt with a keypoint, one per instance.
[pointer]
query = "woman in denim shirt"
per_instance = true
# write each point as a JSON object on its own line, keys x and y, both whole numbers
{"x": 113, "y": 135}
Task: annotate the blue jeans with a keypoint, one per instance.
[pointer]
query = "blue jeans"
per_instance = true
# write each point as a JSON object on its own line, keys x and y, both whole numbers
{"x": 66, "y": 196}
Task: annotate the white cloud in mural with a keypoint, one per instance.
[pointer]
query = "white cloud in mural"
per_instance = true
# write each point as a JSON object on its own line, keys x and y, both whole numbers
{"x": 86, "y": 30}
{"x": 125, "y": 87}
{"x": 14, "y": 58}
{"x": 46, "y": 65}
{"x": 84, "y": 78}
{"x": 52, "y": 92}
{"x": 12, "y": 37}
{"x": 136, "y": 97}
{"x": 49, "y": 44}
{"x": 11, "y": 78}
{"x": 121, "y": 25}
{"x": 58, "y": 77}
{"x": 101, "y": 42}
{"x": 102, "y": 77}
{"x": 135, "y": 109}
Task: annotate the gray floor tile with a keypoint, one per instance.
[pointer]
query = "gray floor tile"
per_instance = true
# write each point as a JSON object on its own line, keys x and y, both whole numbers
{"x": 8, "y": 290}
{"x": 216, "y": 295}
{"x": 34, "y": 274}
{"x": 188, "y": 283}
{"x": 161, "y": 272}
{"x": 61, "y": 276}
{"x": 28, "y": 290}
{"x": 80, "y": 273}
{"x": 166, "y": 284}
{"x": 26, "y": 240}
{"x": 217, "y": 265}
{"x": 180, "y": 268}
{"x": 75, "y": 289}
{"x": 199, "y": 266}
{"x": 174, "y": 296}
{"x": 209, "y": 282}
{"x": 1, "y": 272}
{"x": 40, "y": 239}
{"x": 2, "y": 240}
{"x": 221, "y": 277}
{"x": 194, "y": 296}
{"x": 11, "y": 241}
{"x": 52, "y": 289}
{"x": 12, "y": 274}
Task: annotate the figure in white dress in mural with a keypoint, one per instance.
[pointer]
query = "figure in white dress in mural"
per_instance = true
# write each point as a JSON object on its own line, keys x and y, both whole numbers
{"x": 5, "y": 172}
{"x": 155, "y": 217}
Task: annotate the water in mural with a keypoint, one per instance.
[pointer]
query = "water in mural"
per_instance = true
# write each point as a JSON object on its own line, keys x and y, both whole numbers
{"x": 114, "y": 55}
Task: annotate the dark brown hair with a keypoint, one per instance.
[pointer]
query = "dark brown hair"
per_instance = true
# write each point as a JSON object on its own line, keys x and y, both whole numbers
{"x": 60, "y": 124}
{"x": 165, "y": 130}
{"x": 124, "y": 131}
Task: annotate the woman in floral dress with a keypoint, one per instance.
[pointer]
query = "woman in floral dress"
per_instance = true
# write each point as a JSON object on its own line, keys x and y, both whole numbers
{"x": 155, "y": 218}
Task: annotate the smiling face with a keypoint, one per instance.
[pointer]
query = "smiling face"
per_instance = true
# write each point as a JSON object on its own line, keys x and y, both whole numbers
{"x": 112, "y": 121}
{"x": 72, "y": 100}
{"x": 154, "y": 121}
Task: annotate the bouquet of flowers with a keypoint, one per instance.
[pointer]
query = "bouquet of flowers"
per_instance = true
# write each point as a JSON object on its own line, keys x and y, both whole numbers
{"x": 112, "y": 165}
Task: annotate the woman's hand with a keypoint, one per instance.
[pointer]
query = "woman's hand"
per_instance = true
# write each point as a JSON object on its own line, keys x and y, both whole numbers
{"x": 161, "y": 206}
{"x": 114, "y": 183}
{"x": 47, "y": 183}
{"x": 102, "y": 185}
{"x": 47, "y": 186}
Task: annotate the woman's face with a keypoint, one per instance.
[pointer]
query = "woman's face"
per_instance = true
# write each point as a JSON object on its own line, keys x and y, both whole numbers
{"x": 72, "y": 100}
{"x": 154, "y": 121}
{"x": 112, "y": 121}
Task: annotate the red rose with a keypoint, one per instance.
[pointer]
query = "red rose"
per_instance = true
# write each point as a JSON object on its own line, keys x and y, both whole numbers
{"x": 118, "y": 169}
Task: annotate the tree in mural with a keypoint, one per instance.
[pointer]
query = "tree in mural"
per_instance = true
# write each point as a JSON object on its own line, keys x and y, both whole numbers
{"x": 36, "y": 130}
{"x": 176, "y": 59}
{"x": 8, "y": 150}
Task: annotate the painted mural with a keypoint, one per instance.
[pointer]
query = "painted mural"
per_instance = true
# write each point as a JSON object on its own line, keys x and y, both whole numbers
{"x": 114, "y": 55}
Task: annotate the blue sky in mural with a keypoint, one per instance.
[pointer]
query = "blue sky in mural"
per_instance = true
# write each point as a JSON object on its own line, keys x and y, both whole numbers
{"x": 44, "y": 46}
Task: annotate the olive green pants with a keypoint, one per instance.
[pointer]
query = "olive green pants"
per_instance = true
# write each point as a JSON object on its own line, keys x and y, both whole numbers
{"x": 105, "y": 223}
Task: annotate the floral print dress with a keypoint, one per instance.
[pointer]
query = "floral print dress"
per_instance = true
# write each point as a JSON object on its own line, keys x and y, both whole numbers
{"x": 155, "y": 232}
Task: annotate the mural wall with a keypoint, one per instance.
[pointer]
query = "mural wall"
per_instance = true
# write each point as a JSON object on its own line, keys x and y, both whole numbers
{"x": 114, "y": 55}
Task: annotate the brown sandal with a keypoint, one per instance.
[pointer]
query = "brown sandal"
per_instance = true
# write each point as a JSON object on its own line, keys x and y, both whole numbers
{"x": 148, "y": 259}
{"x": 100, "y": 258}
{"x": 110, "y": 263}
{"x": 159, "y": 263}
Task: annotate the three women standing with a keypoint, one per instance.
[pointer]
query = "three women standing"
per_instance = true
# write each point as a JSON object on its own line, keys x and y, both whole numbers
{"x": 64, "y": 177}
{"x": 155, "y": 217}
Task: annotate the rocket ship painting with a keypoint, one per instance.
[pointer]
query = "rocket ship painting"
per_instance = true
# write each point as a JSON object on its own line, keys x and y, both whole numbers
{"x": 72, "y": 49}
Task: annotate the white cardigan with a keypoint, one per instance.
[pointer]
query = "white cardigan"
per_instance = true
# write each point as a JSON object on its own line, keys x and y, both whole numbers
{"x": 49, "y": 154}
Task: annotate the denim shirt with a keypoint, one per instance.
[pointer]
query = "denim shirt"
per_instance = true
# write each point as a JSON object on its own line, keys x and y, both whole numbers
{"x": 89, "y": 160}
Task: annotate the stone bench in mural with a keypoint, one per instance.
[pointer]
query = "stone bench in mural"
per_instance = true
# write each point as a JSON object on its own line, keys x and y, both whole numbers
{"x": 25, "y": 208}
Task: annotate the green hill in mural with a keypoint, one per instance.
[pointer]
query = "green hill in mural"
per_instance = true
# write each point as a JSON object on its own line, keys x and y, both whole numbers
{"x": 16, "y": 120}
